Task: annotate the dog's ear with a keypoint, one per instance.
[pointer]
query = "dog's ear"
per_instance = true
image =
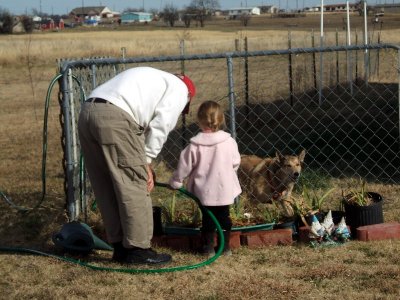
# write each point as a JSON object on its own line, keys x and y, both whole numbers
{"x": 302, "y": 155}
{"x": 280, "y": 157}
{"x": 259, "y": 167}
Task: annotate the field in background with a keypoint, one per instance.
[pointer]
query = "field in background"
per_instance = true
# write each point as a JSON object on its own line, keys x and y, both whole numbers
{"x": 27, "y": 64}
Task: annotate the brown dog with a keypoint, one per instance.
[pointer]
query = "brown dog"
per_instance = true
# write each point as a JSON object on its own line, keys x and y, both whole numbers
{"x": 271, "y": 179}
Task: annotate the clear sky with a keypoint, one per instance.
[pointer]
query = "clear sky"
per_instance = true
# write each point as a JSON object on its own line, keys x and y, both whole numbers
{"x": 65, "y": 6}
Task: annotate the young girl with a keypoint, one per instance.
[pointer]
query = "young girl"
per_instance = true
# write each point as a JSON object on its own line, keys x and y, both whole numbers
{"x": 210, "y": 163}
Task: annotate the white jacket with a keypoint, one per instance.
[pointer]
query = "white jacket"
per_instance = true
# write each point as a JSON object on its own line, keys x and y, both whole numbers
{"x": 153, "y": 98}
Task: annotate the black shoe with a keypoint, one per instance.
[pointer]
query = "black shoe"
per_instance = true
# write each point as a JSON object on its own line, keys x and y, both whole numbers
{"x": 119, "y": 254}
{"x": 146, "y": 256}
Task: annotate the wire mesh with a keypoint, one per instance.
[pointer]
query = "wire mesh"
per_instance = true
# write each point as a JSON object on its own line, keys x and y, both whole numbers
{"x": 340, "y": 104}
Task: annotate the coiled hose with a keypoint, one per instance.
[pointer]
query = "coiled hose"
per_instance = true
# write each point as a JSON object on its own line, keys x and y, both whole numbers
{"x": 133, "y": 271}
{"x": 88, "y": 265}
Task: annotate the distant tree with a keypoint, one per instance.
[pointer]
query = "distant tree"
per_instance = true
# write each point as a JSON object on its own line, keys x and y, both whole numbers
{"x": 187, "y": 19}
{"x": 170, "y": 14}
{"x": 190, "y": 14}
{"x": 6, "y": 21}
{"x": 360, "y": 8}
{"x": 28, "y": 23}
{"x": 203, "y": 9}
{"x": 245, "y": 19}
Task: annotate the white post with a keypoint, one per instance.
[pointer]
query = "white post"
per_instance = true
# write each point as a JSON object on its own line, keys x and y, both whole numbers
{"x": 348, "y": 23}
{"x": 366, "y": 62}
{"x": 321, "y": 69}
{"x": 349, "y": 60}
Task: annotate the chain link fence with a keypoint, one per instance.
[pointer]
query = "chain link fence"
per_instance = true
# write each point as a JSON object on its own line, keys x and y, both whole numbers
{"x": 340, "y": 104}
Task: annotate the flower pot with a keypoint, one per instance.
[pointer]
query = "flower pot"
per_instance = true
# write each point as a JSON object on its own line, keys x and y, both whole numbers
{"x": 357, "y": 216}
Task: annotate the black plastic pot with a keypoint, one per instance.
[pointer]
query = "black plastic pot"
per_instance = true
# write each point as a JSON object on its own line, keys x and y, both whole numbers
{"x": 357, "y": 216}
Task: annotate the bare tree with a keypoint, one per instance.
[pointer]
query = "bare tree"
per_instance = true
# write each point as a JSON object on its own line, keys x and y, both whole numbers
{"x": 28, "y": 24}
{"x": 170, "y": 14}
{"x": 187, "y": 19}
{"x": 245, "y": 19}
{"x": 203, "y": 9}
{"x": 6, "y": 21}
{"x": 360, "y": 8}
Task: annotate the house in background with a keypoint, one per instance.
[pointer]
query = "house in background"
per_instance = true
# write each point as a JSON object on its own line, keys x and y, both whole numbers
{"x": 269, "y": 9}
{"x": 91, "y": 12}
{"x": 234, "y": 13}
{"x": 132, "y": 17}
{"x": 340, "y": 7}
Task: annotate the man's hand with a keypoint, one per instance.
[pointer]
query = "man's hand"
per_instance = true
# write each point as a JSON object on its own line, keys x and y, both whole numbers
{"x": 150, "y": 178}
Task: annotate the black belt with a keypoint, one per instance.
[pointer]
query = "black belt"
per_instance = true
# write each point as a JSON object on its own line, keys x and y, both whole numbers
{"x": 97, "y": 100}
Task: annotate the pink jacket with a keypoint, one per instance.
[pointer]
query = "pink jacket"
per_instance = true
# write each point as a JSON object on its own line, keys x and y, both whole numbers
{"x": 210, "y": 163}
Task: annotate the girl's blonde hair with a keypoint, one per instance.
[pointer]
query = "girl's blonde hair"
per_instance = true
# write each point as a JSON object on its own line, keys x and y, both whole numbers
{"x": 210, "y": 115}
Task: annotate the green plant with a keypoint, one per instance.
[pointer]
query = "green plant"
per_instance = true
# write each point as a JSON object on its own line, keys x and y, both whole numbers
{"x": 300, "y": 208}
{"x": 243, "y": 213}
{"x": 178, "y": 209}
{"x": 357, "y": 193}
{"x": 315, "y": 198}
{"x": 272, "y": 214}
{"x": 309, "y": 202}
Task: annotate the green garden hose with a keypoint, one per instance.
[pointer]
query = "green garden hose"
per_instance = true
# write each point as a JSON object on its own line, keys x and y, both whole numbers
{"x": 129, "y": 270}
{"x": 44, "y": 148}
{"x": 84, "y": 264}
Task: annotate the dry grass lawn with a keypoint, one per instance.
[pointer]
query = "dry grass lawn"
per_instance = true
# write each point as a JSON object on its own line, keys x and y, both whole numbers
{"x": 356, "y": 270}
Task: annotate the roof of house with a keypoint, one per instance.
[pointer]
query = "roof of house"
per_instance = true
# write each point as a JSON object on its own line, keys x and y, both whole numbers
{"x": 136, "y": 13}
{"x": 243, "y": 8}
{"x": 88, "y": 9}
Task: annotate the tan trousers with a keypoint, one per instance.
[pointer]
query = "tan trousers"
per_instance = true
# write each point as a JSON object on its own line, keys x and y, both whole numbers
{"x": 113, "y": 150}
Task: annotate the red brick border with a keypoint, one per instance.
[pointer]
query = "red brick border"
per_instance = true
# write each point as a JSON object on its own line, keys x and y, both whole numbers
{"x": 379, "y": 232}
{"x": 262, "y": 238}
{"x": 267, "y": 238}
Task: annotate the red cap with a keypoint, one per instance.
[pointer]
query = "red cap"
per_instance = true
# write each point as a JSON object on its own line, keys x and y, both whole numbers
{"x": 190, "y": 85}
{"x": 191, "y": 89}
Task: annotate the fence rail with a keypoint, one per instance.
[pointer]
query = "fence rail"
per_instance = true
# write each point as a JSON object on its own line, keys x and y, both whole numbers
{"x": 340, "y": 103}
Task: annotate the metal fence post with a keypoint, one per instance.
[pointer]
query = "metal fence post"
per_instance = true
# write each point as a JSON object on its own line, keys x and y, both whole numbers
{"x": 69, "y": 168}
{"x": 290, "y": 69}
{"x": 232, "y": 106}
{"x": 94, "y": 83}
{"x": 398, "y": 89}
{"x": 231, "y": 97}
